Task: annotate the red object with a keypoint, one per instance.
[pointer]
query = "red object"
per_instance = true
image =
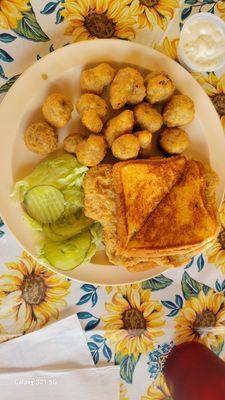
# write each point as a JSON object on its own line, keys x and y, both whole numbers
{"x": 193, "y": 372}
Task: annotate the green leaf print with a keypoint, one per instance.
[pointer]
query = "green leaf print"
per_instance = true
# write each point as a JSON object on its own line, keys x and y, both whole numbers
{"x": 2, "y": 73}
{"x": 4, "y": 88}
{"x": 127, "y": 366}
{"x": 157, "y": 283}
{"x": 29, "y": 28}
{"x": 219, "y": 346}
{"x": 191, "y": 287}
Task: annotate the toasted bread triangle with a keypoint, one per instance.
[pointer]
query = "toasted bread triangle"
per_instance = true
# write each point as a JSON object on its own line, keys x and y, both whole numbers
{"x": 140, "y": 186}
{"x": 184, "y": 217}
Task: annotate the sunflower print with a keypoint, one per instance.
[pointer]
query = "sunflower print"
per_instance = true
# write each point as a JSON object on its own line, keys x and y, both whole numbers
{"x": 168, "y": 47}
{"x": 158, "y": 390}
{"x": 221, "y": 9}
{"x": 201, "y": 319}
{"x": 216, "y": 253}
{"x": 134, "y": 321}
{"x": 7, "y": 333}
{"x": 89, "y": 19}
{"x": 123, "y": 392}
{"x": 31, "y": 294}
{"x": 108, "y": 289}
{"x": 4, "y": 336}
{"x": 151, "y": 12}
{"x": 11, "y": 11}
{"x": 215, "y": 88}
{"x": 222, "y": 214}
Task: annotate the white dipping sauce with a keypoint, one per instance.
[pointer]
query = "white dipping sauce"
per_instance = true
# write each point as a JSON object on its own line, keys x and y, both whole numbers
{"x": 203, "y": 43}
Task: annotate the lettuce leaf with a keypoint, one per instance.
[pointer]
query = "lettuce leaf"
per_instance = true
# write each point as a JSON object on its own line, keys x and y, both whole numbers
{"x": 66, "y": 174}
{"x": 96, "y": 233}
{"x": 62, "y": 172}
{"x": 74, "y": 199}
{"x": 96, "y": 237}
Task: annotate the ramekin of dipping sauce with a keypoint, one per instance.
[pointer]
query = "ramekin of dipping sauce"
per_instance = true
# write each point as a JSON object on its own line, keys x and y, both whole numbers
{"x": 202, "y": 43}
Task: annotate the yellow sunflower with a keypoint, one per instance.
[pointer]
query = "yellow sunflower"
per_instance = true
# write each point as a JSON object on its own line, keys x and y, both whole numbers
{"x": 8, "y": 334}
{"x": 133, "y": 321}
{"x": 168, "y": 47}
{"x": 222, "y": 214}
{"x": 221, "y": 9}
{"x": 149, "y": 12}
{"x": 109, "y": 289}
{"x": 31, "y": 294}
{"x": 3, "y": 335}
{"x": 123, "y": 392}
{"x": 215, "y": 88}
{"x": 89, "y": 19}
{"x": 201, "y": 319}
{"x": 216, "y": 253}
{"x": 158, "y": 390}
{"x": 11, "y": 12}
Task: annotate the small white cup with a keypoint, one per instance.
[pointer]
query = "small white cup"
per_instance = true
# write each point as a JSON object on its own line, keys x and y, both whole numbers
{"x": 182, "y": 57}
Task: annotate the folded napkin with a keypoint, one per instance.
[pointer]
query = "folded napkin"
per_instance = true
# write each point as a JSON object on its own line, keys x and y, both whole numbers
{"x": 54, "y": 363}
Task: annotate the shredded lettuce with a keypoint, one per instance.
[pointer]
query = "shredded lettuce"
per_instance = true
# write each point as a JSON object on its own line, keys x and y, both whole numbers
{"x": 63, "y": 172}
{"x": 66, "y": 174}
{"x": 74, "y": 199}
{"x": 96, "y": 233}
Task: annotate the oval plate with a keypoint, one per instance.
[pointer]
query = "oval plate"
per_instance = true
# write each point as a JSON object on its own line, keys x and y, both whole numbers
{"x": 61, "y": 70}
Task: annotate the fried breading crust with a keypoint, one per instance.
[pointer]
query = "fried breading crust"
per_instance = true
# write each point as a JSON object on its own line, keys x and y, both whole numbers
{"x": 100, "y": 205}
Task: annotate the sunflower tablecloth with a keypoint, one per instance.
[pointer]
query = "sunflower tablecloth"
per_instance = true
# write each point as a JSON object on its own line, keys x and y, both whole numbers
{"x": 180, "y": 305}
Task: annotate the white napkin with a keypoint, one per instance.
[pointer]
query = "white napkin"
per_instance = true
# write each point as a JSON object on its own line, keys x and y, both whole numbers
{"x": 54, "y": 363}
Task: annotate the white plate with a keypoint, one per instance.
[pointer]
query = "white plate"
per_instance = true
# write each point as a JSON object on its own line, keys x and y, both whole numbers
{"x": 61, "y": 70}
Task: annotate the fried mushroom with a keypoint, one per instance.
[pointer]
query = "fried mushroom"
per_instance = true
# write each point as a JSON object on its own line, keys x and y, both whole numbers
{"x": 92, "y": 109}
{"x": 159, "y": 87}
{"x": 145, "y": 142}
{"x": 147, "y": 117}
{"x": 174, "y": 140}
{"x": 57, "y": 109}
{"x": 179, "y": 110}
{"x": 119, "y": 125}
{"x": 70, "y": 141}
{"x": 126, "y": 147}
{"x": 90, "y": 152}
{"x": 41, "y": 138}
{"x": 95, "y": 79}
{"x": 127, "y": 88}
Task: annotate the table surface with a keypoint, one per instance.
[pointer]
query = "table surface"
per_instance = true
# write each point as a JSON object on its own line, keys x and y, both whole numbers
{"x": 181, "y": 305}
